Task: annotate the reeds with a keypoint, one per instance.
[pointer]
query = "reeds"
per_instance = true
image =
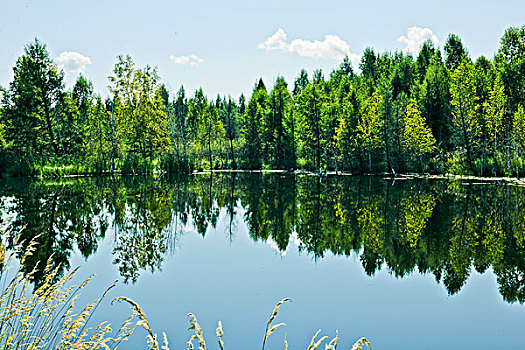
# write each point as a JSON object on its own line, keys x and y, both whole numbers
{"x": 270, "y": 328}
{"x": 45, "y": 317}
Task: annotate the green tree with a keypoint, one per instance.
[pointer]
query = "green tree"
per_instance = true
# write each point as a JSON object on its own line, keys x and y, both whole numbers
{"x": 484, "y": 76}
{"x": 276, "y": 134}
{"x": 230, "y": 120}
{"x": 253, "y": 120}
{"x": 434, "y": 101}
{"x": 178, "y": 121}
{"x": 510, "y": 60}
{"x": 426, "y": 53}
{"x": 368, "y": 65}
{"x": 370, "y": 126}
{"x": 494, "y": 108}
{"x": 455, "y": 52}
{"x": 309, "y": 109}
{"x": 418, "y": 136}
{"x": 99, "y": 135}
{"x": 518, "y": 124}
{"x": 141, "y": 123}
{"x": 29, "y": 103}
{"x": 463, "y": 101}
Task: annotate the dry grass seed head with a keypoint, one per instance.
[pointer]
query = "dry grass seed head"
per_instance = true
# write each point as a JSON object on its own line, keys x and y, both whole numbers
{"x": 198, "y": 330}
{"x": 314, "y": 345}
{"x": 165, "y": 345}
{"x": 332, "y": 345}
{"x": 220, "y": 334}
{"x": 275, "y": 310}
{"x": 358, "y": 345}
{"x": 137, "y": 311}
{"x": 269, "y": 330}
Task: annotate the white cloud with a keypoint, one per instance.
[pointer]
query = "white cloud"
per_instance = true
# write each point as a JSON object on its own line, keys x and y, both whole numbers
{"x": 416, "y": 36}
{"x": 192, "y": 60}
{"x": 72, "y": 62}
{"x": 331, "y": 47}
{"x": 275, "y": 42}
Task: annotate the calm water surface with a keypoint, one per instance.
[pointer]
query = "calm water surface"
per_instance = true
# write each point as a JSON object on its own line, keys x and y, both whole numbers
{"x": 408, "y": 264}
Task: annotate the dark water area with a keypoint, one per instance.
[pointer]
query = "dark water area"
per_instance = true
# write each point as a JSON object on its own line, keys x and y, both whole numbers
{"x": 412, "y": 264}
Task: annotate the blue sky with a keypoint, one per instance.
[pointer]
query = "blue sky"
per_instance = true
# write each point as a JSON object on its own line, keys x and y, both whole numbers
{"x": 224, "y": 46}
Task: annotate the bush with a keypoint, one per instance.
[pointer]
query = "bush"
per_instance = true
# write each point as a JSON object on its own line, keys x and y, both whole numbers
{"x": 457, "y": 164}
{"x": 19, "y": 166}
{"x": 172, "y": 164}
{"x": 134, "y": 164}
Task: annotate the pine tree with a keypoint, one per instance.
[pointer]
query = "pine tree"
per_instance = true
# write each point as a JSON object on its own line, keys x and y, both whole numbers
{"x": 29, "y": 104}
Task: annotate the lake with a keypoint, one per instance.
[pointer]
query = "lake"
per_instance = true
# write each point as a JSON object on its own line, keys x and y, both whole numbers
{"x": 413, "y": 264}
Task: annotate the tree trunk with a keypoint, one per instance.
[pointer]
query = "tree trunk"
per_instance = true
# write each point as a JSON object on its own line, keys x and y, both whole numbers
{"x": 49, "y": 126}
{"x": 234, "y": 165}
{"x": 209, "y": 151}
{"x": 370, "y": 161}
{"x": 318, "y": 133}
{"x": 494, "y": 154}
{"x": 293, "y": 142}
{"x": 517, "y": 158}
{"x": 467, "y": 141}
{"x": 387, "y": 149}
{"x": 113, "y": 140}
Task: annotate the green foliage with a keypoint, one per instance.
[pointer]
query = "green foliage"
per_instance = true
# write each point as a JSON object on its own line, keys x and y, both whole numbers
{"x": 441, "y": 228}
{"x": 510, "y": 60}
{"x": 19, "y": 166}
{"x": 346, "y": 121}
{"x": 277, "y": 135}
{"x": 141, "y": 124}
{"x": 463, "y": 101}
{"x": 434, "y": 100}
{"x": 455, "y": 52}
{"x": 417, "y": 136}
{"x": 253, "y": 120}
{"x": 310, "y": 116}
{"x": 370, "y": 126}
{"x": 29, "y": 104}
{"x": 134, "y": 164}
{"x": 172, "y": 164}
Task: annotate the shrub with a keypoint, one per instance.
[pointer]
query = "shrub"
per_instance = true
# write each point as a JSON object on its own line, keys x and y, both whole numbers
{"x": 171, "y": 164}
{"x": 134, "y": 164}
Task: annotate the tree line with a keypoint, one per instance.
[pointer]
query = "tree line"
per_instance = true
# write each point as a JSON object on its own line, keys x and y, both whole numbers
{"x": 438, "y": 112}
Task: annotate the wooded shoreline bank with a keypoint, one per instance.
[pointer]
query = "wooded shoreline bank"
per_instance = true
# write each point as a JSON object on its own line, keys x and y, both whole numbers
{"x": 439, "y": 112}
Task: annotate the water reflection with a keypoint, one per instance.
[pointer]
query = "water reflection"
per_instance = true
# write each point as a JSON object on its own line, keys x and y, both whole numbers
{"x": 438, "y": 227}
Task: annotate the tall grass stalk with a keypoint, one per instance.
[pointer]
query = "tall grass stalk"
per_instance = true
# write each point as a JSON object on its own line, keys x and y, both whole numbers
{"x": 45, "y": 317}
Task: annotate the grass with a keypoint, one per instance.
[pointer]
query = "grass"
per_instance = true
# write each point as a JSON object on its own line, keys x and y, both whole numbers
{"x": 198, "y": 335}
{"x": 45, "y": 317}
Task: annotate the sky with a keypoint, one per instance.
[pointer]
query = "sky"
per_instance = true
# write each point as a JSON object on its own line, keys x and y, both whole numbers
{"x": 226, "y": 46}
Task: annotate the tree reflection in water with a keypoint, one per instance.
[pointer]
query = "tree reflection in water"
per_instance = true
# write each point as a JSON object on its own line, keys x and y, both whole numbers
{"x": 444, "y": 228}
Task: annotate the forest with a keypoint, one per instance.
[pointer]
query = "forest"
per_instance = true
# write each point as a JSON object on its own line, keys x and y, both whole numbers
{"x": 440, "y": 112}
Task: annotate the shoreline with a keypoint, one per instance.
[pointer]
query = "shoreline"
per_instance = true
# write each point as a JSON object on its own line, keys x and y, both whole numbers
{"x": 471, "y": 179}
{"x": 468, "y": 179}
